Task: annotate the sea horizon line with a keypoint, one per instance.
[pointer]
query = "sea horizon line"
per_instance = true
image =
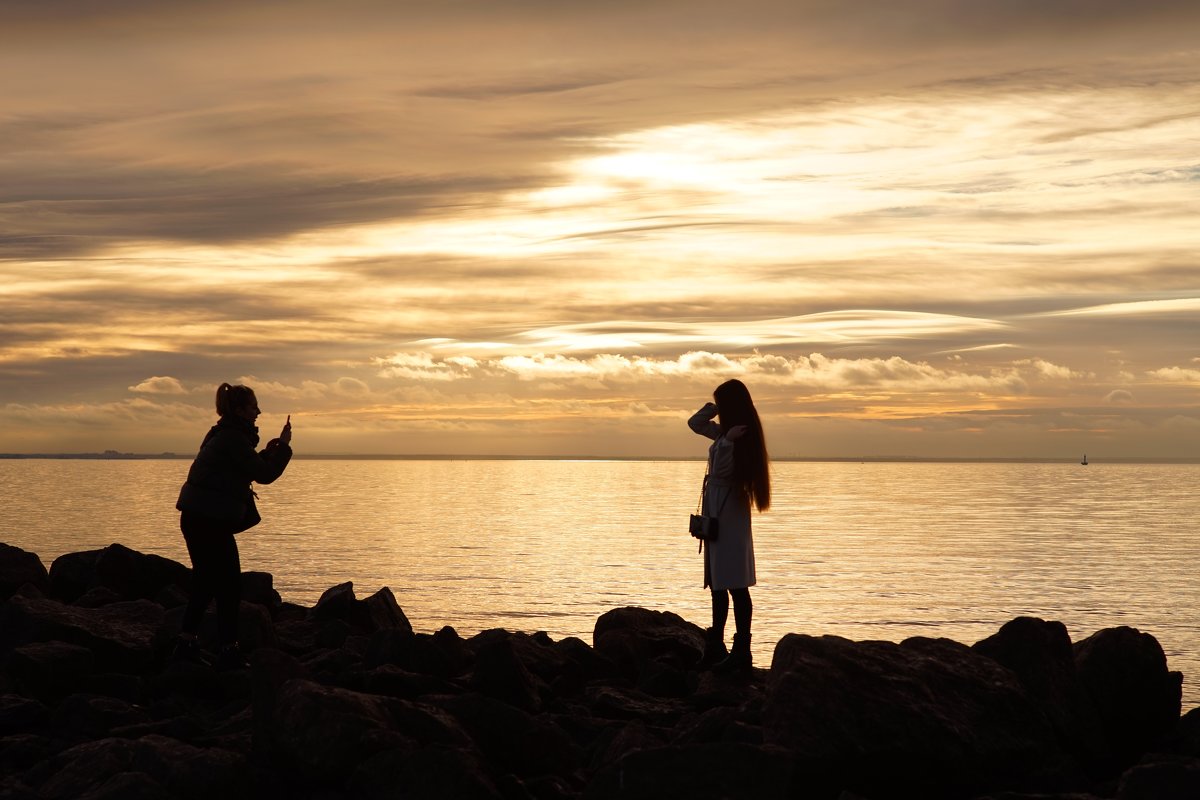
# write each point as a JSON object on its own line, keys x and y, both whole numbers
{"x": 114, "y": 455}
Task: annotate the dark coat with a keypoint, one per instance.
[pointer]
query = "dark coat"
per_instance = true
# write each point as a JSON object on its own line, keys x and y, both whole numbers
{"x": 218, "y": 484}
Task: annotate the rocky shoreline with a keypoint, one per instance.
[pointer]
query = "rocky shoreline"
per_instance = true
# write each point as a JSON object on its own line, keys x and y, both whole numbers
{"x": 344, "y": 699}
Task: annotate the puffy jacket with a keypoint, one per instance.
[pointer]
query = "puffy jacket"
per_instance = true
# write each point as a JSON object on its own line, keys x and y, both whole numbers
{"x": 218, "y": 483}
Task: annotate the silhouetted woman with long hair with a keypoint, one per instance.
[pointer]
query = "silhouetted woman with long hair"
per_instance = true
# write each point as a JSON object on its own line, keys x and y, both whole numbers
{"x": 738, "y": 476}
{"x": 216, "y": 503}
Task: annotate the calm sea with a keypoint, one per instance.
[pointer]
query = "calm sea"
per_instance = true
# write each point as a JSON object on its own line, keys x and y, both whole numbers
{"x": 865, "y": 551}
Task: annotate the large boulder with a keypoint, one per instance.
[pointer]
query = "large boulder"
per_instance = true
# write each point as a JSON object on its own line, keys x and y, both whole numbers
{"x": 927, "y": 717}
{"x": 19, "y": 567}
{"x": 120, "y": 635}
{"x": 325, "y": 732}
{"x": 380, "y": 611}
{"x": 152, "y": 766}
{"x": 499, "y": 673}
{"x": 1138, "y": 699}
{"x": 1161, "y": 777}
{"x": 510, "y": 739}
{"x": 50, "y": 670}
{"x": 633, "y": 637}
{"x": 128, "y": 573}
{"x": 1040, "y": 654}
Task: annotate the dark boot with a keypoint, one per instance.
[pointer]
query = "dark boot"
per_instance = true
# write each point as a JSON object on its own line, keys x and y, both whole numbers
{"x": 714, "y": 649}
{"x": 738, "y": 659}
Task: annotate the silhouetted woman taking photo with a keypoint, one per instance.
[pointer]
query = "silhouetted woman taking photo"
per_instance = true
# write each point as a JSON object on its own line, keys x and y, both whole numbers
{"x": 217, "y": 502}
{"x": 738, "y": 475}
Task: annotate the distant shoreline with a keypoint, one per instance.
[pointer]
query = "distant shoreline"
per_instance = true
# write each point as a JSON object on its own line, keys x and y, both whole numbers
{"x": 112, "y": 455}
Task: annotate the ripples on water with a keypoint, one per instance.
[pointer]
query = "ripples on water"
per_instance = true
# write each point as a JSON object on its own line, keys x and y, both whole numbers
{"x": 865, "y": 551}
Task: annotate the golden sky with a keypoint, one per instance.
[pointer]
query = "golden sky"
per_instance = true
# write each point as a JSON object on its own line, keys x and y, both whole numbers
{"x": 935, "y": 228}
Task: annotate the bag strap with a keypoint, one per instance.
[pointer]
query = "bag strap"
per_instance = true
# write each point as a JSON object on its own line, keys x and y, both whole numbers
{"x": 704, "y": 489}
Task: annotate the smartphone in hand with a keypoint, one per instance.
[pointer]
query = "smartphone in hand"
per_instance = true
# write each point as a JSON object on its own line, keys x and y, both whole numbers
{"x": 285, "y": 435}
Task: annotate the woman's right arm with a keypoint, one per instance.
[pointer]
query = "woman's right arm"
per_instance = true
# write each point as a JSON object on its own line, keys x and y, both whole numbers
{"x": 260, "y": 467}
{"x": 702, "y": 422}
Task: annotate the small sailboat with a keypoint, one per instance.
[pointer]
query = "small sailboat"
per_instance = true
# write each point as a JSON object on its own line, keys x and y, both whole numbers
{"x": 1084, "y": 462}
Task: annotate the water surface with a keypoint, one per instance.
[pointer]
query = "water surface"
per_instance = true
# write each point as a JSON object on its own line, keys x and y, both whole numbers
{"x": 865, "y": 551}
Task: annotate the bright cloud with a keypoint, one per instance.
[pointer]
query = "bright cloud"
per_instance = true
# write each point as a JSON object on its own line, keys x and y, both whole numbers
{"x": 413, "y": 233}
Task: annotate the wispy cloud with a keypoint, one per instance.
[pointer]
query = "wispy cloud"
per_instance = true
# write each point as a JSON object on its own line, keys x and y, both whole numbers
{"x": 939, "y": 226}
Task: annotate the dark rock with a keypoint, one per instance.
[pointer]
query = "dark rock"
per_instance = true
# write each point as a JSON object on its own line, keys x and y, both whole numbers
{"x": 1040, "y": 654}
{"x": 114, "y": 684}
{"x": 439, "y": 655}
{"x": 1161, "y": 777}
{"x": 270, "y": 669}
{"x": 119, "y": 635}
{"x": 297, "y": 636}
{"x": 927, "y": 718}
{"x": 718, "y": 691}
{"x": 336, "y": 602}
{"x": 618, "y": 741}
{"x": 632, "y": 637}
{"x": 259, "y": 587}
{"x": 393, "y": 681}
{"x": 510, "y": 739}
{"x": 22, "y": 751}
{"x": 20, "y": 714}
{"x": 72, "y": 574}
{"x": 1138, "y": 700}
{"x": 50, "y": 670}
{"x": 664, "y": 680}
{"x": 378, "y": 612}
{"x": 333, "y": 633}
{"x": 430, "y": 773}
{"x": 499, "y": 673}
{"x": 83, "y": 717}
{"x": 96, "y": 597}
{"x": 129, "y": 786}
{"x": 19, "y": 567}
{"x": 182, "y": 770}
{"x": 457, "y": 654}
{"x": 128, "y": 573}
{"x": 1186, "y": 739}
{"x": 722, "y": 724}
{"x": 698, "y": 772}
{"x": 582, "y": 666}
{"x": 172, "y": 596}
{"x": 611, "y": 702}
{"x": 325, "y": 732}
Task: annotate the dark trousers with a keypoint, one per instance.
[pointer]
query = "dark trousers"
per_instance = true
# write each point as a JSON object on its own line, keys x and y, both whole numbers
{"x": 216, "y": 573}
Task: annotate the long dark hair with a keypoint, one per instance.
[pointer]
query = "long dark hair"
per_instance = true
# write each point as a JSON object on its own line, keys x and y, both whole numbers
{"x": 751, "y": 466}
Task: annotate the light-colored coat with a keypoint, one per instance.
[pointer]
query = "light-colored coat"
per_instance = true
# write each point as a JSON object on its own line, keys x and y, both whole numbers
{"x": 729, "y": 561}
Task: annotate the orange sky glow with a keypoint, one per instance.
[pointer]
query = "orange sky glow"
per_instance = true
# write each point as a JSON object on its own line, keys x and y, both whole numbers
{"x": 934, "y": 229}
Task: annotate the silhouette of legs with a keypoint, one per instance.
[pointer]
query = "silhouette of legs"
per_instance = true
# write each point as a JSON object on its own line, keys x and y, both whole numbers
{"x": 743, "y": 610}
{"x": 739, "y": 659}
{"x": 720, "y": 612}
{"x": 216, "y": 572}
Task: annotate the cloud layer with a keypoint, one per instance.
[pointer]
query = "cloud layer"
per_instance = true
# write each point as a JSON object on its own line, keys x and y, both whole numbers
{"x": 936, "y": 228}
